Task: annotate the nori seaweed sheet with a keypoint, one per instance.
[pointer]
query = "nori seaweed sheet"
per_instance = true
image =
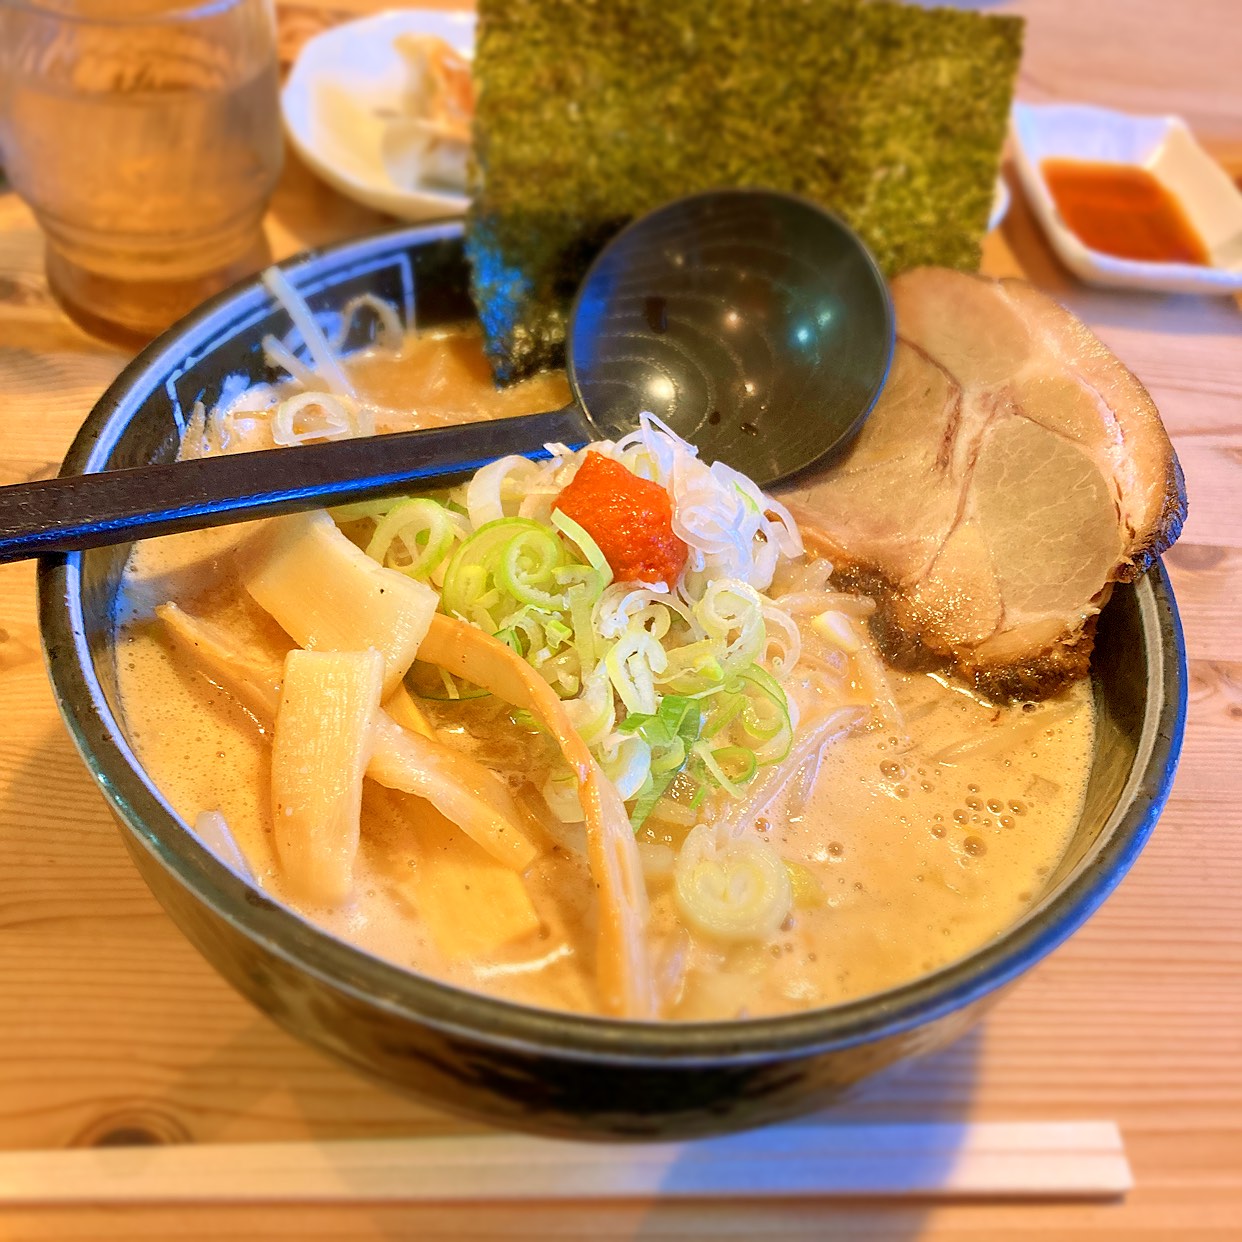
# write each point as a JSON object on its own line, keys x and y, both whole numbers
{"x": 590, "y": 112}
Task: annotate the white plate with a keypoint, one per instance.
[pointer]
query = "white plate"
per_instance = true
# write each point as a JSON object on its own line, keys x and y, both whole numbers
{"x": 341, "y": 83}
{"x": 1164, "y": 146}
{"x": 1000, "y": 204}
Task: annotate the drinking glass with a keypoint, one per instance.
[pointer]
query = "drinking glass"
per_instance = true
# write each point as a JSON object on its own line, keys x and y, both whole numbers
{"x": 145, "y": 135}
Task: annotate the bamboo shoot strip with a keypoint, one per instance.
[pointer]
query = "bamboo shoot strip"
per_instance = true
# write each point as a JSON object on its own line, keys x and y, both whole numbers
{"x": 460, "y": 787}
{"x": 325, "y": 731}
{"x": 328, "y": 595}
{"x": 1080, "y": 1160}
{"x": 623, "y": 967}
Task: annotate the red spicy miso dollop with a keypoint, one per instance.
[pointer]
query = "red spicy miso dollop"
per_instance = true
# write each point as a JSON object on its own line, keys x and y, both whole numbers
{"x": 630, "y": 518}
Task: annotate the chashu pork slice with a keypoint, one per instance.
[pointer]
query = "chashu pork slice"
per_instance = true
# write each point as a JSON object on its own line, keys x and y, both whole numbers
{"x": 1010, "y": 473}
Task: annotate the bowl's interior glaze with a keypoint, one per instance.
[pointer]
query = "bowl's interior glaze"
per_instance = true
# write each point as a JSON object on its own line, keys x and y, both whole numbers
{"x": 1138, "y": 669}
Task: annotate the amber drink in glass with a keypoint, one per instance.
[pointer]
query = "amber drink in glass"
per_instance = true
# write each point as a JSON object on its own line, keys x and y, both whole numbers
{"x": 145, "y": 136}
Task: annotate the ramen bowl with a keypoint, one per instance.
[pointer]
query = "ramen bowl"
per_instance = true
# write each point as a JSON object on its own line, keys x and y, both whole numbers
{"x": 516, "y": 1066}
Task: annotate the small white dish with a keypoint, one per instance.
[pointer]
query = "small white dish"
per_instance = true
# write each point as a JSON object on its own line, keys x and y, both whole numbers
{"x": 1164, "y": 146}
{"x": 343, "y": 85}
{"x": 1000, "y": 204}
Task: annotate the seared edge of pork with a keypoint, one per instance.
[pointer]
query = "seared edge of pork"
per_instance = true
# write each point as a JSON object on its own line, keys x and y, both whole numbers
{"x": 1012, "y": 471}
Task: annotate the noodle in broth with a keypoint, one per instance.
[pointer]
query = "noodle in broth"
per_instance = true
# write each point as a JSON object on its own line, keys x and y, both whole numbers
{"x": 909, "y": 837}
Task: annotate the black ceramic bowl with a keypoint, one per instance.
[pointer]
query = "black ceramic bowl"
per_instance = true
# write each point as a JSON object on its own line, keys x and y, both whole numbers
{"x": 512, "y": 1065}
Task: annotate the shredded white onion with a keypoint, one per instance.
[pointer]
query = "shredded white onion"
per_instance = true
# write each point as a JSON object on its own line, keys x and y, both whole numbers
{"x": 732, "y": 528}
{"x": 391, "y": 332}
{"x": 308, "y": 416}
{"x": 256, "y": 400}
{"x": 782, "y": 641}
{"x": 317, "y": 345}
{"x": 278, "y": 354}
{"x": 486, "y": 491}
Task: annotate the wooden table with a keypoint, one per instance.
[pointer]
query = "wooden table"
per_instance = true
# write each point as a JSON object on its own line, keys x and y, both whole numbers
{"x": 113, "y": 1030}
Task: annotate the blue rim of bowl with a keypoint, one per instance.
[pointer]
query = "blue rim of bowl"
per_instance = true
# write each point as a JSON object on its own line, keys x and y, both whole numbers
{"x": 462, "y": 1014}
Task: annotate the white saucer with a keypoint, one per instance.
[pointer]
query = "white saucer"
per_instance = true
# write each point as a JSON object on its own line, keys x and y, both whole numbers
{"x": 1000, "y": 204}
{"x": 341, "y": 84}
{"x": 1165, "y": 147}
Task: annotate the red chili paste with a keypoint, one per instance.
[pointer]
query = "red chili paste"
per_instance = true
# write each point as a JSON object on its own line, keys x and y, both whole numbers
{"x": 630, "y": 518}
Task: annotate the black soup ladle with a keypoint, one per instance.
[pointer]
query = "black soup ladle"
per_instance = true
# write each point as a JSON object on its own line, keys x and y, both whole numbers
{"x": 753, "y": 323}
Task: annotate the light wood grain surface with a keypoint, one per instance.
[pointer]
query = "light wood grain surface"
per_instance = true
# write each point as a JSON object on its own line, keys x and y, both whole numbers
{"x": 113, "y": 1030}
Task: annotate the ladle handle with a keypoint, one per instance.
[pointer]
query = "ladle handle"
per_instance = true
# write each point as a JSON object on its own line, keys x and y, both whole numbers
{"x": 114, "y": 506}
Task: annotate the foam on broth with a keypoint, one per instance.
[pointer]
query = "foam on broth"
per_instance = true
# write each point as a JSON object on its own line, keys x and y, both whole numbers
{"x": 909, "y": 856}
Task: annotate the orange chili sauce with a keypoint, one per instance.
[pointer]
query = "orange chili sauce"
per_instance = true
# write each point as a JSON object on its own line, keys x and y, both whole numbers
{"x": 1123, "y": 211}
{"x": 630, "y": 519}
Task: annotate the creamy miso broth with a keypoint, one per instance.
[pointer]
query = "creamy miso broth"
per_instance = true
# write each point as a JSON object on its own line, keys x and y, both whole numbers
{"x": 910, "y": 838}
